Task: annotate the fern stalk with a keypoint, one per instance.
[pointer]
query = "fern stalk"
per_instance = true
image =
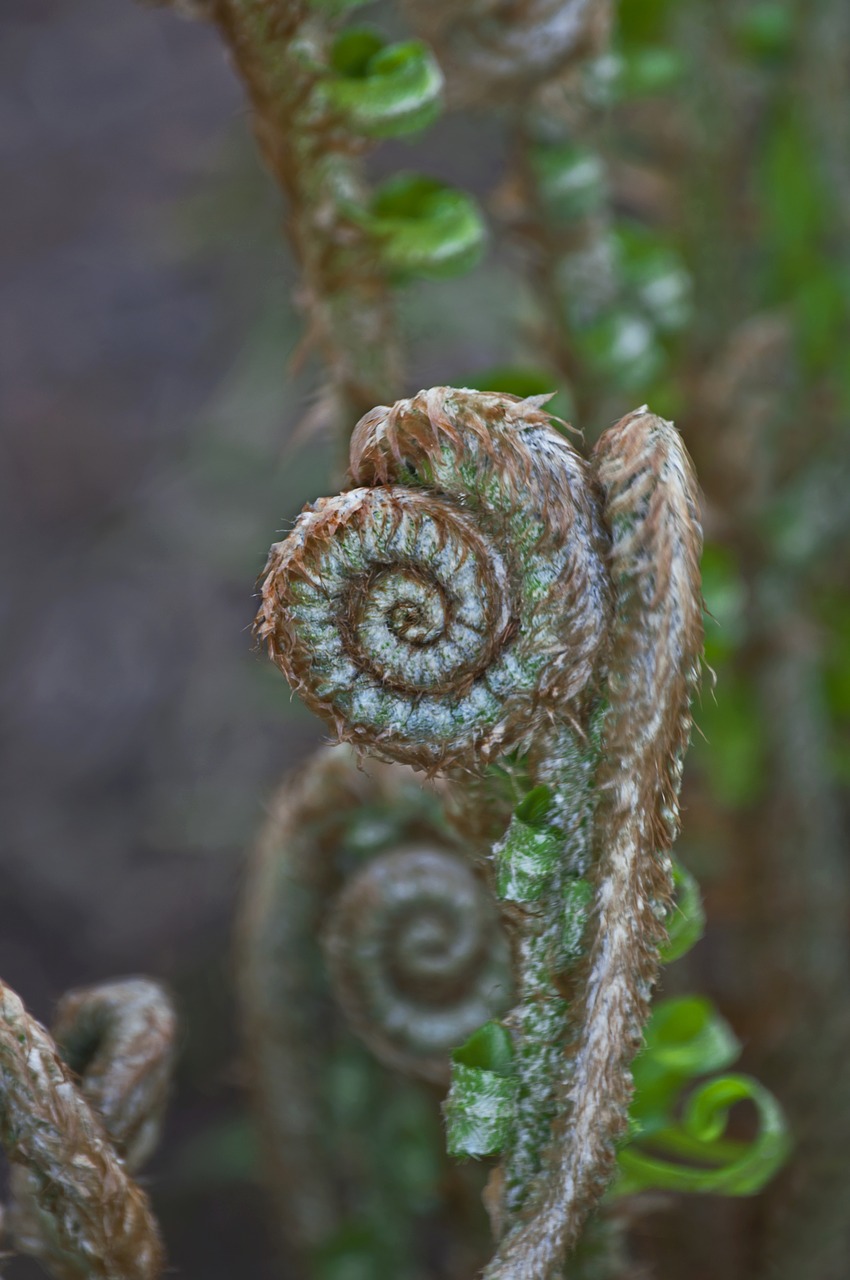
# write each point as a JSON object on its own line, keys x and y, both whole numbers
{"x": 74, "y": 1205}
{"x": 281, "y": 50}
{"x": 484, "y": 592}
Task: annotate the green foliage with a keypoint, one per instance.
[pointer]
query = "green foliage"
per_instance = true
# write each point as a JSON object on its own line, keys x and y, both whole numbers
{"x": 686, "y": 1038}
{"x": 724, "y": 594}
{"x": 648, "y": 70}
{"x": 424, "y": 227}
{"x": 534, "y": 807}
{"x": 677, "y": 1142}
{"x": 528, "y": 854}
{"x": 765, "y": 31}
{"x": 479, "y": 1109}
{"x": 643, "y": 22}
{"x": 801, "y": 269}
{"x": 733, "y": 748}
{"x": 384, "y": 91}
{"x": 488, "y": 1049}
{"x": 570, "y": 179}
{"x": 686, "y": 919}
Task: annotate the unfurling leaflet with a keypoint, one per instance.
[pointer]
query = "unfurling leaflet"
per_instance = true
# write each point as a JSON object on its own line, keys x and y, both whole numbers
{"x": 484, "y": 601}
{"x": 74, "y": 1206}
{"x": 679, "y": 1148}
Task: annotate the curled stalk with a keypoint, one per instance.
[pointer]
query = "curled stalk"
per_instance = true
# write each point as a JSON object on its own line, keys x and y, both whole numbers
{"x": 119, "y": 1039}
{"x": 359, "y": 900}
{"x": 74, "y": 1207}
{"x": 483, "y": 595}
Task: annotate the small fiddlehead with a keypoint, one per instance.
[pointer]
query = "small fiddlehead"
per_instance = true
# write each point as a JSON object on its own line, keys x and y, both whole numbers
{"x": 417, "y": 957}
{"x": 484, "y": 594}
{"x": 74, "y": 1206}
{"x": 360, "y": 899}
{"x": 119, "y": 1039}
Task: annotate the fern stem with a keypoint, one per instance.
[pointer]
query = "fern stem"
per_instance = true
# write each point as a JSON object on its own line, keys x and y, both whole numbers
{"x": 74, "y": 1206}
{"x": 456, "y": 607}
{"x": 280, "y": 49}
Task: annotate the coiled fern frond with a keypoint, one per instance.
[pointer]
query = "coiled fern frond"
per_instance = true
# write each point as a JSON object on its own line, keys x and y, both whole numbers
{"x": 362, "y": 913}
{"x": 484, "y": 596}
{"x": 73, "y": 1145}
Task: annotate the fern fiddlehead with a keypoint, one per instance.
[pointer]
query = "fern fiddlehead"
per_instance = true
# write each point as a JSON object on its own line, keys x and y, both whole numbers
{"x": 417, "y": 957}
{"x": 359, "y": 900}
{"x": 74, "y": 1205}
{"x": 434, "y": 613}
{"x": 484, "y": 594}
{"x": 651, "y": 507}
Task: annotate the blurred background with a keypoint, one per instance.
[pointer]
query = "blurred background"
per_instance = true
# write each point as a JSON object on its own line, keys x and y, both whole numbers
{"x": 152, "y": 444}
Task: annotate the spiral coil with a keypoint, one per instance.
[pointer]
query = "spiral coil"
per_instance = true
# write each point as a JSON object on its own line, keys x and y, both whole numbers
{"x": 436, "y": 614}
{"x": 483, "y": 593}
{"x": 417, "y": 957}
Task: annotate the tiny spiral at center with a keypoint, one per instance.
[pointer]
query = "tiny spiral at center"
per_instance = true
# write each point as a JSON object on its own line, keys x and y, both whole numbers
{"x": 417, "y": 957}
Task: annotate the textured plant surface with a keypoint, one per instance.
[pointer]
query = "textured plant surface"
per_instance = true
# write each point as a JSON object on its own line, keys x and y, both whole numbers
{"x": 484, "y": 595}
{"x": 669, "y": 204}
{"x": 363, "y": 913}
{"x": 74, "y": 1206}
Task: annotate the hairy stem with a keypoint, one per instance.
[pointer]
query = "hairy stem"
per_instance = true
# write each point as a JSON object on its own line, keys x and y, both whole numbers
{"x": 74, "y": 1206}
{"x": 280, "y": 50}
{"x": 483, "y": 592}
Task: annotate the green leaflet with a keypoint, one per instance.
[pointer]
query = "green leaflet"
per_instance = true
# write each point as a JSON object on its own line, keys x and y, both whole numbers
{"x": 655, "y": 275}
{"x": 687, "y": 1038}
{"x": 622, "y": 344}
{"x": 384, "y": 91}
{"x": 526, "y": 859}
{"x": 686, "y": 921}
{"x": 571, "y": 180}
{"x": 424, "y": 227}
{"x": 479, "y": 1109}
